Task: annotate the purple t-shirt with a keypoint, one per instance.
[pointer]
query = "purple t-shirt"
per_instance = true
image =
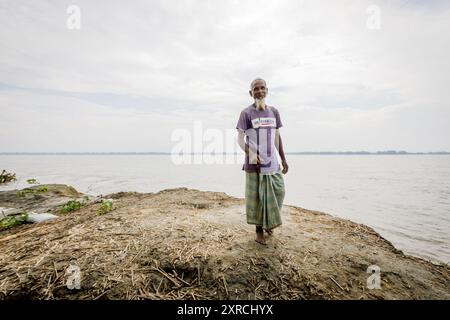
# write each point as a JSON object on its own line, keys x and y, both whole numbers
{"x": 259, "y": 127}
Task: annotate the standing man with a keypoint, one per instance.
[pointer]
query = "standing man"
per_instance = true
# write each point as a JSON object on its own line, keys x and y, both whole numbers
{"x": 259, "y": 138}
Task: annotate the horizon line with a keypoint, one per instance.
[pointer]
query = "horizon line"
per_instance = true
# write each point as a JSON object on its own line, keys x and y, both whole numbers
{"x": 394, "y": 152}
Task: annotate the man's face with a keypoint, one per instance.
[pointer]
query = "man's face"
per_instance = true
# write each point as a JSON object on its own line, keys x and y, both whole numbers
{"x": 259, "y": 90}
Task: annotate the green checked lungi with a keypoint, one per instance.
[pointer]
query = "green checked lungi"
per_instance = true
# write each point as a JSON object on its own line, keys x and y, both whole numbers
{"x": 264, "y": 195}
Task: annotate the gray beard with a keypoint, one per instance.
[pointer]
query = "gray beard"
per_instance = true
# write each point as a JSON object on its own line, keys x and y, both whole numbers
{"x": 260, "y": 104}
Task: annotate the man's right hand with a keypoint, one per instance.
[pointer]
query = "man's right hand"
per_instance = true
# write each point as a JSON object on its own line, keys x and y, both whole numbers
{"x": 259, "y": 160}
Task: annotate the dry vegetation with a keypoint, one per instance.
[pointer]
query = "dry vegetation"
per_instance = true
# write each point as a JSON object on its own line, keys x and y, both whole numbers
{"x": 188, "y": 244}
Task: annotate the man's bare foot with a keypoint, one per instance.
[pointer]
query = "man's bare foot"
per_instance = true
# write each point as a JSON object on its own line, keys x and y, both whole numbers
{"x": 269, "y": 232}
{"x": 260, "y": 236}
{"x": 261, "y": 241}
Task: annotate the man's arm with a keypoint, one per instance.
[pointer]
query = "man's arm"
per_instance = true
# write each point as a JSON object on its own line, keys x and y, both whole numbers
{"x": 249, "y": 148}
{"x": 241, "y": 141}
{"x": 279, "y": 146}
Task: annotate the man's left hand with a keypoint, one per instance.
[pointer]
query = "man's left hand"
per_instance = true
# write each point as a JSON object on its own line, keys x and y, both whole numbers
{"x": 285, "y": 167}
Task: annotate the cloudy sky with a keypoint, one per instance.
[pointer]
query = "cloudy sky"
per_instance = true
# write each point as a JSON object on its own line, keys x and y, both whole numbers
{"x": 136, "y": 71}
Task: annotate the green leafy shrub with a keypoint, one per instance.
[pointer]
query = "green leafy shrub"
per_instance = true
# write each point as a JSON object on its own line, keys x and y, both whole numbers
{"x": 42, "y": 189}
{"x": 12, "y": 221}
{"x": 105, "y": 207}
{"x": 7, "y": 177}
{"x": 24, "y": 192}
{"x": 32, "y": 181}
{"x": 72, "y": 205}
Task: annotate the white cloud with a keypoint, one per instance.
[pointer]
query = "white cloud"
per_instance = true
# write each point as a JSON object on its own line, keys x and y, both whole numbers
{"x": 338, "y": 84}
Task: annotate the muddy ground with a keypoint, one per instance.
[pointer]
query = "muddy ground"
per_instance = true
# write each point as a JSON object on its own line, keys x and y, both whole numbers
{"x": 189, "y": 244}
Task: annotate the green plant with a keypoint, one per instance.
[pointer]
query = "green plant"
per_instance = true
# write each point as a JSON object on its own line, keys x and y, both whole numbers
{"x": 105, "y": 207}
{"x": 7, "y": 177}
{"x": 32, "y": 181}
{"x": 72, "y": 205}
{"x": 12, "y": 221}
{"x": 42, "y": 189}
{"x": 24, "y": 192}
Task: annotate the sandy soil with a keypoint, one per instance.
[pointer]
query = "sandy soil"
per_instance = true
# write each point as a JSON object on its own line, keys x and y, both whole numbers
{"x": 189, "y": 244}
